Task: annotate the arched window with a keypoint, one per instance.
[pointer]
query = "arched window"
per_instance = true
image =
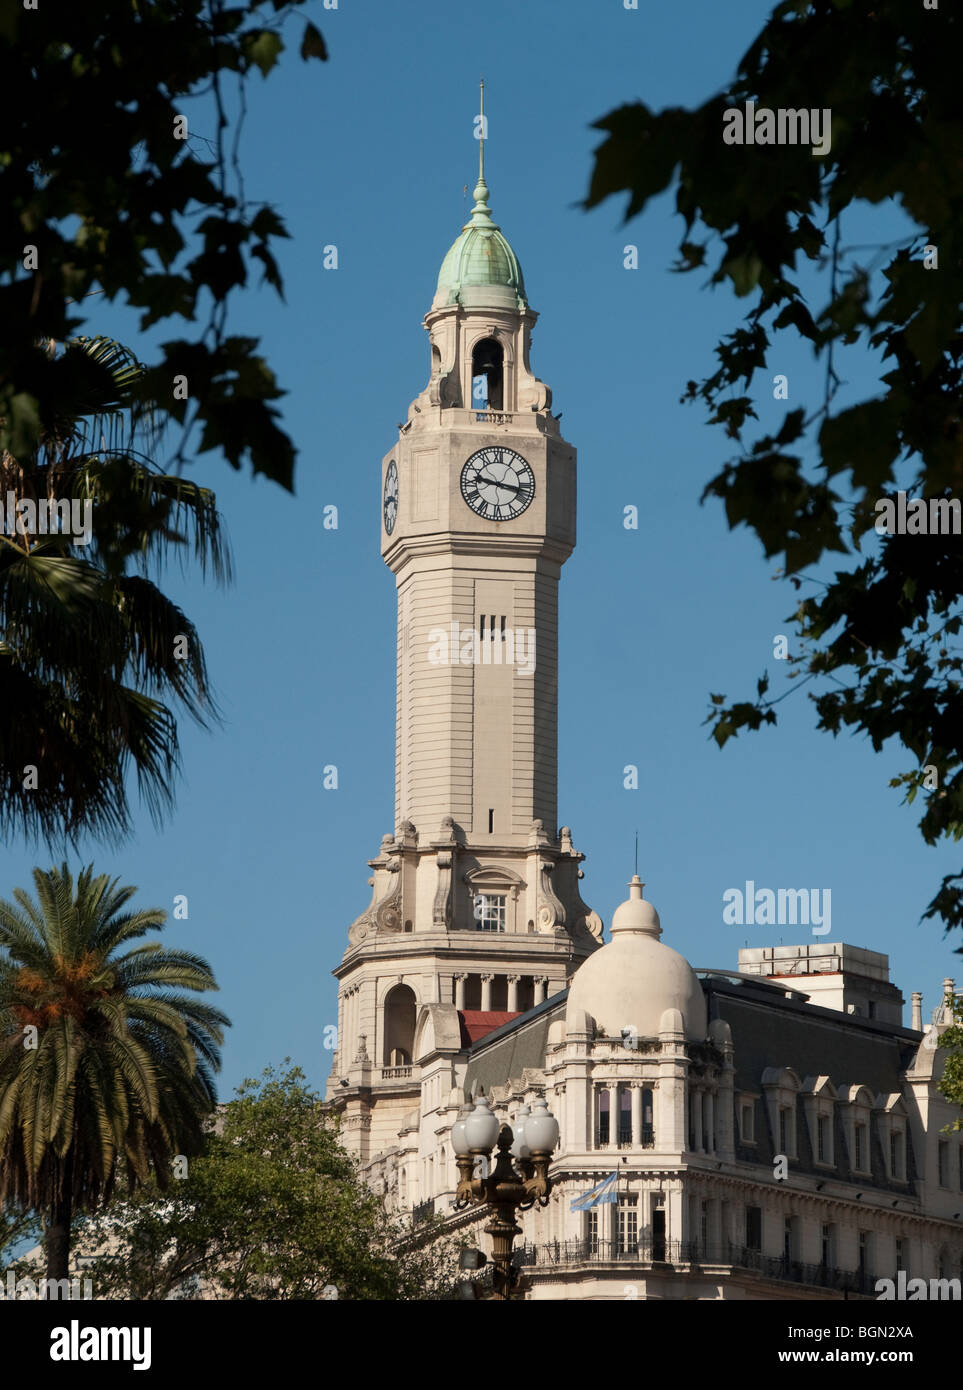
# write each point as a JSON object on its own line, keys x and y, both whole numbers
{"x": 399, "y": 1025}
{"x": 486, "y": 375}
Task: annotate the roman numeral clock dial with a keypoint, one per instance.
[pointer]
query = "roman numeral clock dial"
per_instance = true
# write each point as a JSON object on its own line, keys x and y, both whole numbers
{"x": 497, "y": 483}
{"x": 390, "y": 503}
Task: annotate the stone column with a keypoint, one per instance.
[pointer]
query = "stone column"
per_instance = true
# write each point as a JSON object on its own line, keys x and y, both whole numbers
{"x": 917, "y": 1022}
{"x": 710, "y": 1136}
{"x": 695, "y": 1105}
{"x": 674, "y": 1208}
{"x": 460, "y": 991}
{"x": 513, "y": 993}
{"x": 541, "y": 989}
{"x": 486, "y": 993}
{"x": 636, "y": 1116}
{"x": 614, "y": 1115}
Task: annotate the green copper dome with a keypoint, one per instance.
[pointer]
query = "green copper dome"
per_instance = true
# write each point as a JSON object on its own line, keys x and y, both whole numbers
{"x": 481, "y": 270}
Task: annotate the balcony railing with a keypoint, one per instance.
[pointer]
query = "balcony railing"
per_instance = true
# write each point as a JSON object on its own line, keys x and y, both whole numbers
{"x": 493, "y": 417}
{"x": 424, "y": 1211}
{"x": 646, "y": 1141}
{"x": 649, "y": 1250}
{"x": 395, "y": 1073}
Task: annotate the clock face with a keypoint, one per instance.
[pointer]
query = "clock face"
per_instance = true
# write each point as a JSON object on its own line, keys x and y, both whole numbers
{"x": 391, "y": 497}
{"x": 497, "y": 483}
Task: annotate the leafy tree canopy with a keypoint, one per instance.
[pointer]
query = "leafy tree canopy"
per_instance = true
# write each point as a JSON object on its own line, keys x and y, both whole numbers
{"x": 106, "y": 190}
{"x": 878, "y": 640}
{"x": 273, "y": 1209}
{"x": 93, "y": 655}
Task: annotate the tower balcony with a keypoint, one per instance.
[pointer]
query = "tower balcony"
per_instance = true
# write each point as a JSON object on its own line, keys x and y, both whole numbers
{"x": 482, "y": 418}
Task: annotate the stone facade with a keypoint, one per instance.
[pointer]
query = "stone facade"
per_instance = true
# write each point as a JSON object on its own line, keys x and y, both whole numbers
{"x": 777, "y": 1131}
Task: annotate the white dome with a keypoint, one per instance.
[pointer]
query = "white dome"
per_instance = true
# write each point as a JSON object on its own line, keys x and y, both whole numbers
{"x": 632, "y": 981}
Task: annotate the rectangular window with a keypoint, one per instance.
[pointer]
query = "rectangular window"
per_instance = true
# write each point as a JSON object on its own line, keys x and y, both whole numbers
{"x": 753, "y": 1228}
{"x": 747, "y": 1112}
{"x": 625, "y": 1119}
{"x": 943, "y": 1162}
{"x": 896, "y": 1154}
{"x": 788, "y": 1241}
{"x": 860, "y": 1147}
{"x": 628, "y": 1225}
{"x": 785, "y": 1130}
{"x": 592, "y": 1230}
{"x": 900, "y": 1254}
{"x": 648, "y": 1128}
{"x": 490, "y": 912}
{"x": 827, "y": 1246}
{"x": 604, "y": 1123}
{"x": 821, "y": 1149}
{"x": 704, "y": 1226}
{"x": 864, "y": 1252}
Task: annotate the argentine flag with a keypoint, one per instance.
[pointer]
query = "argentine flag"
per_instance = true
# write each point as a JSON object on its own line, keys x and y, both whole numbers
{"x": 605, "y": 1192}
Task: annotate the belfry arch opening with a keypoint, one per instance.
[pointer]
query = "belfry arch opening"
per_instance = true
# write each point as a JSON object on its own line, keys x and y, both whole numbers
{"x": 487, "y": 375}
{"x": 399, "y": 1026}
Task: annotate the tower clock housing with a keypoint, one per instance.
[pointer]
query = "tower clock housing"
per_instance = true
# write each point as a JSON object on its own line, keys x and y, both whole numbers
{"x": 475, "y": 913}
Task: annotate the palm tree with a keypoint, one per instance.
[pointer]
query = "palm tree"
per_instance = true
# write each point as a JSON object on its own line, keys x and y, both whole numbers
{"x": 92, "y": 653}
{"x": 106, "y": 1071}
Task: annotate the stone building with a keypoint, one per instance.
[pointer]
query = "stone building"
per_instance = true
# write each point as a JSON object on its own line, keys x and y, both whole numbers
{"x": 776, "y": 1130}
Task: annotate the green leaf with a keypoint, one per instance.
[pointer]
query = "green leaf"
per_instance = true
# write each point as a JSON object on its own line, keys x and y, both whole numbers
{"x": 263, "y": 48}
{"x": 313, "y": 45}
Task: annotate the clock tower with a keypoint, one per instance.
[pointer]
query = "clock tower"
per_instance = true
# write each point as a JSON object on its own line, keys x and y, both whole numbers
{"x": 476, "y": 913}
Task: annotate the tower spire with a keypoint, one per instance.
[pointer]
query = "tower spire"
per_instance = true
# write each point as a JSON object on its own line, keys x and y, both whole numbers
{"x": 481, "y": 213}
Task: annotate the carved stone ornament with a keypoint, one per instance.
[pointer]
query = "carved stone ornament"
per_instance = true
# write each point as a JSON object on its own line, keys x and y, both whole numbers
{"x": 381, "y": 917}
{"x": 441, "y": 912}
{"x": 551, "y": 912}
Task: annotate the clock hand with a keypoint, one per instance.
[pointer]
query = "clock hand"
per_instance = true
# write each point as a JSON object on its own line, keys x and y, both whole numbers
{"x": 496, "y": 482}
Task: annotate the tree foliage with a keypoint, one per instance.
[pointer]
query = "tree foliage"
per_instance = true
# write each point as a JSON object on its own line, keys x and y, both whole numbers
{"x": 878, "y": 640}
{"x": 94, "y": 657}
{"x": 105, "y": 191}
{"x": 106, "y": 1066}
{"x": 274, "y": 1208}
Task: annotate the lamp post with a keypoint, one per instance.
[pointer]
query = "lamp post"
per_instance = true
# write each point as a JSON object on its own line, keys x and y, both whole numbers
{"x": 507, "y": 1189}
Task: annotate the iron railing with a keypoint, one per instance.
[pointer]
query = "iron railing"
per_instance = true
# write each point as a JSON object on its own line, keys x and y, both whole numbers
{"x": 652, "y": 1250}
{"x": 424, "y": 1211}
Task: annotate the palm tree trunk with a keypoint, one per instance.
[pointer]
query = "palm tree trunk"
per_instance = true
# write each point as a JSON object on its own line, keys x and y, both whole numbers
{"x": 58, "y": 1231}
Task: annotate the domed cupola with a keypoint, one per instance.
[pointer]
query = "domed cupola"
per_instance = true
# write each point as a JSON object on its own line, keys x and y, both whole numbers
{"x": 481, "y": 271}
{"x": 632, "y": 981}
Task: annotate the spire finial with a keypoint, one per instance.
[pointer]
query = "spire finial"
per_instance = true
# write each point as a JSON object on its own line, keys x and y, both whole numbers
{"x": 481, "y": 213}
{"x": 636, "y": 854}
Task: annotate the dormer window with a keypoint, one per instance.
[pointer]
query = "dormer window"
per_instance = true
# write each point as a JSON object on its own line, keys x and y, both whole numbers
{"x": 896, "y": 1154}
{"x": 893, "y": 1134}
{"x": 780, "y": 1086}
{"x": 819, "y": 1103}
{"x": 856, "y": 1105}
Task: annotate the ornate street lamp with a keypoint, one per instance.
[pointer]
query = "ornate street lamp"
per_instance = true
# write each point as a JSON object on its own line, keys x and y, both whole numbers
{"x": 507, "y": 1189}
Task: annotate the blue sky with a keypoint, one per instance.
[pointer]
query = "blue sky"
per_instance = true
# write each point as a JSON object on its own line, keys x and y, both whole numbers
{"x": 371, "y": 152}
